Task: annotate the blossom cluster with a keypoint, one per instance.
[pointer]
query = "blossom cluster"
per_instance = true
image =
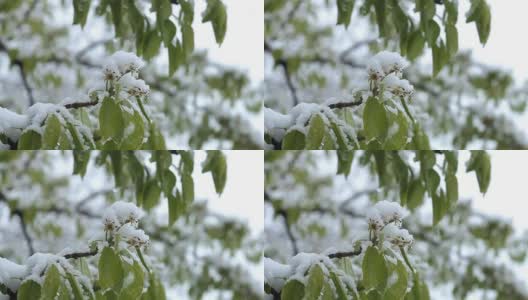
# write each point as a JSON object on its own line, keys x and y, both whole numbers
{"x": 123, "y": 67}
{"x": 122, "y": 218}
{"x": 386, "y": 218}
{"x": 386, "y": 69}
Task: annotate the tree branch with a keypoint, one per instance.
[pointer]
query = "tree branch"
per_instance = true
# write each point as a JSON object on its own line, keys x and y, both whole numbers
{"x": 20, "y": 64}
{"x": 284, "y": 64}
{"x": 81, "y": 104}
{"x": 345, "y": 104}
{"x": 284, "y": 215}
{"x": 345, "y": 254}
{"x": 81, "y": 254}
{"x": 23, "y": 225}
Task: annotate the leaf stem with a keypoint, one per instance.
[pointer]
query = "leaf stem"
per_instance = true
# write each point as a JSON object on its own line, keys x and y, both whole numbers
{"x": 143, "y": 109}
{"x": 406, "y": 108}
{"x": 138, "y": 251}
{"x": 406, "y": 259}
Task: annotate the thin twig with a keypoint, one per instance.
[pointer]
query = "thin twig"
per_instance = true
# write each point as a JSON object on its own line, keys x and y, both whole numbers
{"x": 91, "y": 197}
{"x": 30, "y": 9}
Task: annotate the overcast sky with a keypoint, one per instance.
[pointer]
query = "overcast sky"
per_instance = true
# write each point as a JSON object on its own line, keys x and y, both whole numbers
{"x": 243, "y": 44}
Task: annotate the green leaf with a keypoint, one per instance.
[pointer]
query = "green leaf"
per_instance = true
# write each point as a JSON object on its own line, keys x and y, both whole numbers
{"x": 168, "y": 31}
{"x": 175, "y": 57}
{"x": 399, "y": 288}
{"x": 156, "y": 140}
{"x": 152, "y": 45}
{"x": 451, "y": 182}
{"x": 451, "y": 39}
{"x": 481, "y": 164}
{"x": 380, "y": 8}
{"x": 375, "y": 120}
{"x": 111, "y": 272}
{"x": 415, "y": 45}
{"x": 216, "y": 14}
{"x": 52, "y": 132}
{"x": 339, "y": 286}
{"x": 169, "y": 181}
{"x": 111, "y": 122}
{"x": 316, "y": 132}
{"x": 80, "y": 162}
{"x": 294, "y": 140}
{"x": 344, "y": 162}
{"x": 452, "y": 161}
{"x": 80, "y": 11}
{"x": 433, "y": 180}
{"x": 293, "y": 290}
{"x": 216, "y": 164}
{"x": 164, "y": 10}
{"x": 439, "y": 207}
{"x": 135, "y": 18}
{"x": 30, "y": 140}
{"x": 440, "y": 57}
{"x": 398, "y": 139}
{"x": 51, "y": 284}
{"x": 481, "y": 15}
{"x": 29, "y": 290}
{"x": 151, "y": 195}
{"x": 135, "y": 288}
{"x": 117, "y": 167}
{"x": 375, "y": 272}
{"x": 432, "y": 33}
{"x": 340, "y": 137}
{"x": 117, "y": 15}
{"x": 187, "y": 187}
{"x": 187, "y": 39}
{"x": 344, "y": 11}
{"x": 420, "y": 140}
{"x": 314, "y": 285}
{"x": 416, "y": 194}
{"x": 173, "y": 208}
{"x": 134, "y": 139}
{"x": 76, "y": 289}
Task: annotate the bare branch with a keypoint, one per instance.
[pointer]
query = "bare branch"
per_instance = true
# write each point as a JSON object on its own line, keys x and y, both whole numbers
{"x": 345, "y": 104}
{"x": 29, "y": 240}
{"x": 345, "y": 254}
{"x": 81, "y": 254}
{"x": 81, "y": 104}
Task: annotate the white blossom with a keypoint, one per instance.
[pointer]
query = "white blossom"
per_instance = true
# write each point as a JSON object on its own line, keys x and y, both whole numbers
{"x": 133, "y": 236}
{"x": 397, "y": 236}
{"x": 398, "y": 86}
{"x": 126, "y": 61}
{"x": 390, "y": 62}
{"x": 134, "y": 86}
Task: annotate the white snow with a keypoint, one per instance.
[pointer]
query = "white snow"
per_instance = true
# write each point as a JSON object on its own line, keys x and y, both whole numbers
{"x": 123, "y": 212}
{"x": 276, "y": 273}
{"x": 133, "y": 236}
{"x": 397, "y": 235}
{"x": 125, "y": 62}
{"x": 134, "y": 86}
{"x": 9, "y": 119}
{"x": 397, "y": 85}
{"x": 273, "y": 119}
{"x": 11, "y": 274}
{"x": 390, "y": 211}
{"x": 387, "y": 62}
